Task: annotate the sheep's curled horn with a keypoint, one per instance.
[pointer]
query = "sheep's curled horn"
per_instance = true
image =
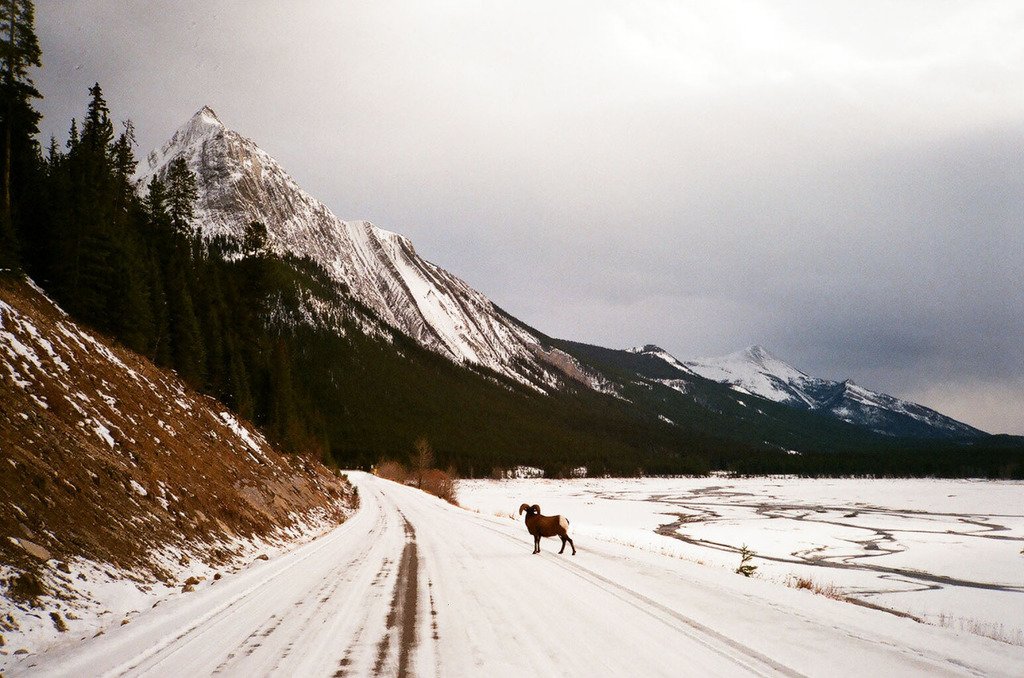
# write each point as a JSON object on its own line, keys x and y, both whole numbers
{"x": 524, "y": 507}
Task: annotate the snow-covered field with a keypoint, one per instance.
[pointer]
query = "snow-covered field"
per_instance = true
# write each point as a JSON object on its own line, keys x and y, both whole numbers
{"x": 946, "y": 551}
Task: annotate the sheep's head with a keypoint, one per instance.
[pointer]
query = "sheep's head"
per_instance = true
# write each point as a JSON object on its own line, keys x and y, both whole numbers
{"x": 530, "y": 510}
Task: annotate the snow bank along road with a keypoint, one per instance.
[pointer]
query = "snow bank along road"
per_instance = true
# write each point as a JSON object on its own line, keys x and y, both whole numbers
{"x": 411, "y": 586}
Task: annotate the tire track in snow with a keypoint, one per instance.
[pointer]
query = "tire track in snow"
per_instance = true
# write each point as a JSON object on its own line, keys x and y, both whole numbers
{"x": 401, "y": 619}
{"x": 375, "y": 591}
{"x": 259, "y": 593}
{"x": 332, "y": 582}
{"x": 173, "y": 643}
{"x": 392, "y": 652}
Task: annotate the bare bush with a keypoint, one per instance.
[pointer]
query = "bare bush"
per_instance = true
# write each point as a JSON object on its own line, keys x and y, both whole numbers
{"x": 422, "y": 460}
{"x": 392, "y": 470}
{"x": 441, "y": 484}
{"x": 994, "y": 630}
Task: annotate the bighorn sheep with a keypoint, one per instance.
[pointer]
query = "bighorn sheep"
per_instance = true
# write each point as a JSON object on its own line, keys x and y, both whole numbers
{"x": 546, "y": 526}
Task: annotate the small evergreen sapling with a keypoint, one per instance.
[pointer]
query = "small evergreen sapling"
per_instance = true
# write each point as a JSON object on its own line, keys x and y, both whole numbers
{"x": 745, "y": 568}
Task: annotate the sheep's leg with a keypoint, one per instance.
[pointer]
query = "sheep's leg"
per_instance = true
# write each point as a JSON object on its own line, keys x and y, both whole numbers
{"x": 536, "y": 543}
{"x": 563, "y": 538}
{"x": 570, "y": 544}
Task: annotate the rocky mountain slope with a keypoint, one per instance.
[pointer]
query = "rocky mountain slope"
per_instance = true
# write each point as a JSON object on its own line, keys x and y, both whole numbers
{"x": 239, "y": 183}
{"x": 115, "y": 474}
{"x": 754, "y": 370}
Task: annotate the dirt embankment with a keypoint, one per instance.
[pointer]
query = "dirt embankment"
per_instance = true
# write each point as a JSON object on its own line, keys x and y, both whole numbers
{"x": 108, "y": 458}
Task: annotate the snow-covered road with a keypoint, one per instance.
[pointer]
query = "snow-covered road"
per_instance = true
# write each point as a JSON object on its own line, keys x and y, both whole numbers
{"x": 413, "y": 586}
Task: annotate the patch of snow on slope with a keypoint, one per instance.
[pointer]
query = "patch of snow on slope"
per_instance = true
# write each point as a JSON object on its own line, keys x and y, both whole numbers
{"x": 658, "y": 352}
{"x": 756, "y": 371}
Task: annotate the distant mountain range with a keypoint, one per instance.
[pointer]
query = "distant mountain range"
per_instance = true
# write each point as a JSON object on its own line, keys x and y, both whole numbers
{"x": 750, "y": 398}
{"x": 756, "y": 371}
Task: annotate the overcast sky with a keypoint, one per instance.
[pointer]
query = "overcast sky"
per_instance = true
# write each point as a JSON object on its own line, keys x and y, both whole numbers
{"x": 842, "y": 182}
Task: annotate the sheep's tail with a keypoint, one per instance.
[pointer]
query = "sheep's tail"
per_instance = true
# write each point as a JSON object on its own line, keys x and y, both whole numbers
{"x": 564, "y": 522}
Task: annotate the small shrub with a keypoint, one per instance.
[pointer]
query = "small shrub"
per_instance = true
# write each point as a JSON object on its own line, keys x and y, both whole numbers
{"x": 422, "y": 460}
{"x": 58, "y": 623}
{"x": 745, "y": 568}
{"x": 392, "y": 470}
{"x": 26, "y": 587}
{"x": 440, "y": 484}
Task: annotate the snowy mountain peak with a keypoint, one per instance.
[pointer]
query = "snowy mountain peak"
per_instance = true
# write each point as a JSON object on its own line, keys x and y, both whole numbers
{"x": 749, "y": 366}
{"x": 758, "y": 354}
{"x": 239, "y": 183}
{"x": 662, "y": 354}
{"x": 206, "y": 116}
{"x": 202, "y": 124}
{"x": 757, "y": 371}
{"x": 646, "y": 348}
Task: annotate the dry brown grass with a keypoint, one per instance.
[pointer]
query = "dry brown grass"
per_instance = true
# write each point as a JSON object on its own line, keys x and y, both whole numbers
{"x": 26, "y": 587}
{"x": 993, "y": 630}
{"x": 828, "y": 590}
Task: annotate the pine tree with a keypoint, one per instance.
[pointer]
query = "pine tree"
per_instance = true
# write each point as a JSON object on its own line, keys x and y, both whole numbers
{"x": 156, "y": 200}
{"x": 73, "y": 137}
{"x": 240, "y": 395}
{"x": 123, "y": 158}
{"x": 254, "y": 242}
{"x": 88, "y": 236}
{"x": 745, "y": 568}
{"x": 282, "y": 423}
{"x": 19, "y": 120}
{"x": 181, "y": 195}
{"x": 97, "y": 129}
{"x": 187, "y": 352}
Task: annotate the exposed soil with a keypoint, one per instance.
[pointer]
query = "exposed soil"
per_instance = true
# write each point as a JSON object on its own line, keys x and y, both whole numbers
{"x": 106, "y": 457}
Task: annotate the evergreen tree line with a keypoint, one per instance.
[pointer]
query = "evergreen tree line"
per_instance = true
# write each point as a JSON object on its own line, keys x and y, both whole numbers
{"x": 130, "y": 264}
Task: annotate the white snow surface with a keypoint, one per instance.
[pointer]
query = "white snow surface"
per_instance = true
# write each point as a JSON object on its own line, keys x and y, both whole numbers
{"x": 946, "y": 551}
{"x": 240, "y": 183}
{"x": 413, "y": 586}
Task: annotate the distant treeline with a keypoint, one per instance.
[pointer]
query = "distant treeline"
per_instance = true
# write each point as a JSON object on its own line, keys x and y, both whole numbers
{"x": 934, "y": 459}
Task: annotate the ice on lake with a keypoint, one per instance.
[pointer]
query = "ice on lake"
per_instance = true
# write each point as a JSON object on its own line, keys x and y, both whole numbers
{"x": 946, "y": 551}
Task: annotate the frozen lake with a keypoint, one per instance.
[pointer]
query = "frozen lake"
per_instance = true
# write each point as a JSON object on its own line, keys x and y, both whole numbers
{"x": 950, "y": 552}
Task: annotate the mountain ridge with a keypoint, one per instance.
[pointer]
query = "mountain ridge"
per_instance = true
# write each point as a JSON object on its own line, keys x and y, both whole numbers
{"x": 239, "y": 183}
{"x": 757, "y": 371}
